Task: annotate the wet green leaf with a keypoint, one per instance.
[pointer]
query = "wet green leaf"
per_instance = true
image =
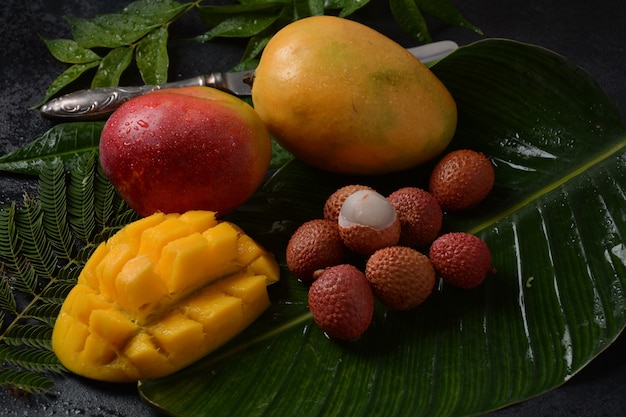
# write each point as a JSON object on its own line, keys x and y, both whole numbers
{"x": 351, "y": 6}
{"x": 126, "y": 27}
{"x": 112, "y": 66}
{"x": 410, "y": 19}
{"x": 64, "y": 141}
{"x": 152, "y": 58}
{"x": 67, "y": 77}
{"x": 253, "y": 50}
{"x": 109, "y": 31}
{"x": 214, "y": 15}
{"x": 70, "y": 52}
{"x": 306, "y": 8}
{"x": 257, "y": 43}
{"x": 240, "y": 26}
{"x": 445, "y": 11}
{"x": 280, "y": 156}
{"x": 156, "y": 11}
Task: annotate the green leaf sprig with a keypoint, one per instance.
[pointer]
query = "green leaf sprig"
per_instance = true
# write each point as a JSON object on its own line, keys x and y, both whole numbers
{"x": 138, "y": 32}
{"x": 108, "y": 44}
{"x": 44, "y": 244}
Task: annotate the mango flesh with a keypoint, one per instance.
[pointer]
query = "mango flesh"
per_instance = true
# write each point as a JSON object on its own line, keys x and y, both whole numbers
{"x": 344, "y": 98}
{"x": 161, "y": 293}
{"x": 181, "y": 149}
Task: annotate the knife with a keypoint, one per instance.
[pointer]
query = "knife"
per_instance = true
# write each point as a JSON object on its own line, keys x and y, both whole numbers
{"x": 97, "y": 103}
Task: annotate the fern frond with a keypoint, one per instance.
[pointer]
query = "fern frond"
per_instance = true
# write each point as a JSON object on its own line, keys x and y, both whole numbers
{"x": 7, "y": 298}
{"x": 36, "y": 248}
{"x": 125, "y": 215}
{"x": 10, "y": 245}
{"x": 85, "y": 252}
{"x": 80, "y": 195}
{"x": 44, "y": 245}
{"x": 45, "y": 312}
{"x": 26, "y": 282}
{"x": 52, "y": 192}
{"x": 29, "y": 382}
{"x": 32, "y": 335}
{"x": 59, "y": 291}
{"x": 32, "y": 359}
{"x": 105, "y": 198}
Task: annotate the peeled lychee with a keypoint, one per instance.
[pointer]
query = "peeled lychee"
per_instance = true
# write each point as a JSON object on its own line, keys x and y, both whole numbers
{"x": 342, "y": 302}
{"x": 333, "y": 204}
{"x": 400, "y": 277}
{"x": 420, "y": 216}
{"x": 368, "y": 222}
{"x": 315, "y": 245}
{"x": 461, "y": 259}
{"x": 461, "y": 179}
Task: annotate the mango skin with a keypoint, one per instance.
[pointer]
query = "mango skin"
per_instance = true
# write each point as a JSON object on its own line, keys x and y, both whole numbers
{"x": 192, "y": 148}
{"x": 160, "y": 294}
{"x": 344, "y": 98}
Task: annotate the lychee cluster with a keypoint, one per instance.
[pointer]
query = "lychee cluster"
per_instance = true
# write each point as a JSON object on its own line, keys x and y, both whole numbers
{"x": 398, "y": 237}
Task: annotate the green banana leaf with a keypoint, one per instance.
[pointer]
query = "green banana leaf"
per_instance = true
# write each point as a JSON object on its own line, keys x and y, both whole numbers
{"x": 554, "y": 222}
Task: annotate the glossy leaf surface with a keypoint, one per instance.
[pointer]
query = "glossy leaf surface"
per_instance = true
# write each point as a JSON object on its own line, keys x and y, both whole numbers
{"x": 65, "y": 141}
{"x": 555, "y": 223}
{"x": 119, "y": 29}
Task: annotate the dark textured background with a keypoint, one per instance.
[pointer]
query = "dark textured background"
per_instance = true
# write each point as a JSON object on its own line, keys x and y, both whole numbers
{"x": 589, "y": 33}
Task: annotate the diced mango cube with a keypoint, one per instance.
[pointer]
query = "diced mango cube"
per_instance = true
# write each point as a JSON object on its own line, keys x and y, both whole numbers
{"x": 139, "y": 288}
{"x": 97, "y": 351}
{"x": 178, "y": 336}
{"x": 266, "y": 265}
{"x": 156, "y": 237}
{"x": 71, "y": 333}
{"x": 132, "y": 232}
{"x": 250, "y": 289}
{"x": 110, "y": 266}
{"x": 185, "y": 263}
{"x": 199, "y": 220}
{"x": 221, "y": 315}
{"x": 150, "y": 362}
{"x": 88, "y": 275}
{"x": 222, "y": 241}
{"x": 247, "y": 250}
{"x": 81, "y": 301}
{"x": 112, "y": 325}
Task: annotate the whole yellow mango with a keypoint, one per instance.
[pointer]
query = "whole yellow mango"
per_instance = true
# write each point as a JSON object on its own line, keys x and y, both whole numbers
{"x": 344, "y": 98}
{"x": 160, "y": 294}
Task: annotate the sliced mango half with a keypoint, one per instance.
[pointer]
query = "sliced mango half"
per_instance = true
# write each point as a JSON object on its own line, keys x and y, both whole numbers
{"x": 160, "y": 294}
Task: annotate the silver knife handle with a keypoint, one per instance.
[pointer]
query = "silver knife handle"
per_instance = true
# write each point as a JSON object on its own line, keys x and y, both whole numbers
{"x": 98, "y": 102}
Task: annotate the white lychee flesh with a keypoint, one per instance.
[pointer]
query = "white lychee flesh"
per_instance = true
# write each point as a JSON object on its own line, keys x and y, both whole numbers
{"x": 367, "y": 208}
{"x": 367, "y": 222}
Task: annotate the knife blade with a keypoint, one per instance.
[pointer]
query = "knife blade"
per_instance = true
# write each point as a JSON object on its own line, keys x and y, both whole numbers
{"x": 97, "y": 103}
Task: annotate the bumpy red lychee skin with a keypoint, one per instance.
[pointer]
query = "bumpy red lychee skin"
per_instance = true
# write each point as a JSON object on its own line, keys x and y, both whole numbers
{"x": 315, "y": 245}
{"x": 342, "y": 302}
{"x": 461, "y": 259}
{"x": 461, "y": 179}
{"x": 365, "y": 240}
{"x": 420, "y": 216}
{"x": 401, "y": 277}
